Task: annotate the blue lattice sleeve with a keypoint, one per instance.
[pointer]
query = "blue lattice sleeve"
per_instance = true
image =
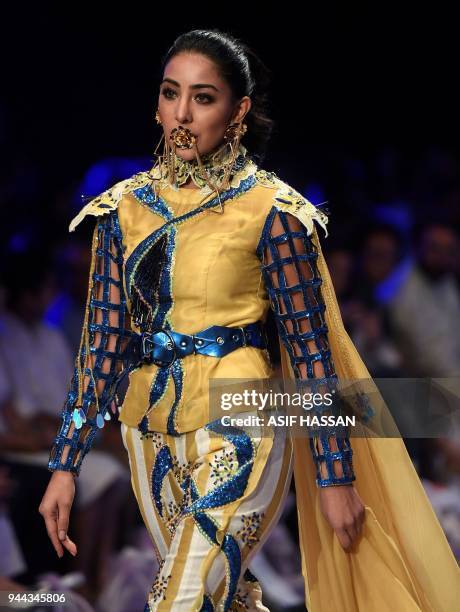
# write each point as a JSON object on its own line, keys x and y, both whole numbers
{"x": 98, "y": 364}
{"x": 292, "y": 280}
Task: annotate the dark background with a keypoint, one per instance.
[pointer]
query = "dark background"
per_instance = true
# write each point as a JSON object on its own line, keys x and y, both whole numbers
{"x": 348, "y": 80}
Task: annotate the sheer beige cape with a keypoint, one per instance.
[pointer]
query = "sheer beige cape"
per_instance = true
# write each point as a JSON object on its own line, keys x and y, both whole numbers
{"x": 402, "y": 562}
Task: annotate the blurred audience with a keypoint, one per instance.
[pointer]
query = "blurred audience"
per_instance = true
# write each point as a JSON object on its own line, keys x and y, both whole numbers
{"x": 72, "y": 263}
{"x": 37, "y": 366}
{"x": 11, "y": 560}
{"x": 426, "y": 309}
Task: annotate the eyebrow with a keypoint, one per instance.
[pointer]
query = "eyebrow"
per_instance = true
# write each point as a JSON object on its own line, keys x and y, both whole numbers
{"x": 196, "y": 86}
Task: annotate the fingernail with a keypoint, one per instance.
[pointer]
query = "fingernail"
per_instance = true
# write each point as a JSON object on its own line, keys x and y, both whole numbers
{"x": 62, "y": 535}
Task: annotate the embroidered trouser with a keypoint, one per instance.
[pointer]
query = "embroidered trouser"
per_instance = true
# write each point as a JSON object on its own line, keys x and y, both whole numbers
{"x": 209, "y": 499}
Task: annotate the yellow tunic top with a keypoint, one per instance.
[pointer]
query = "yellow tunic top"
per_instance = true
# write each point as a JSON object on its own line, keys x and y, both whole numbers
{"x": 210, "y": 275}
{"x": 215, "y": 279}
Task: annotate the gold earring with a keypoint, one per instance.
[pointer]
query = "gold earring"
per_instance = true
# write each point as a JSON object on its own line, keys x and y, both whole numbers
{"x": 232, "y": 136}
{"x": 235, "y": 131}
{"x": 157, "y": 117}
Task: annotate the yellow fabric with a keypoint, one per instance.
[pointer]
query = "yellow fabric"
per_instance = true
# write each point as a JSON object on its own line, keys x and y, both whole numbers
{"x": 402, "y": 562}
{"x": 216, "y": 281}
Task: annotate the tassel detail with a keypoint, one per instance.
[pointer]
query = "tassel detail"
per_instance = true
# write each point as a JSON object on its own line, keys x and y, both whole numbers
{"x": 145, "y": 288}
{"x": 79, "y": 415}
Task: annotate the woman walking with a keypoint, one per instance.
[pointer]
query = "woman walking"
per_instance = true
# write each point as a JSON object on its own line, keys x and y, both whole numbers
{"x": 186, "y": 261}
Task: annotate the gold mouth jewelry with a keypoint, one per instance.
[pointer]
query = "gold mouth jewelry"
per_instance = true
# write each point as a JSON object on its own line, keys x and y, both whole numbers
{"x": 182, "y": 138}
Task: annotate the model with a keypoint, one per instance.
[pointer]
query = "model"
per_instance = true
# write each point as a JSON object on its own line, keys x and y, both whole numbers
{"x": 186, "y": 261}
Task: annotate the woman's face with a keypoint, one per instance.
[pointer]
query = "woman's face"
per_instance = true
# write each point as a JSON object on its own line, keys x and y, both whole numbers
{"x": 194, "y": 96}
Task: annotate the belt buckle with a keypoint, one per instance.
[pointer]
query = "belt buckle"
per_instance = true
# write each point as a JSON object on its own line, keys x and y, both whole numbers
{"x": 171, "y": 346}
{"x": 243, "y": 334}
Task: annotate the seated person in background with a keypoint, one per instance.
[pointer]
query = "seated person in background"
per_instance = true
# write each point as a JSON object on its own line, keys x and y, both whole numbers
{"x": 37, "y": 366}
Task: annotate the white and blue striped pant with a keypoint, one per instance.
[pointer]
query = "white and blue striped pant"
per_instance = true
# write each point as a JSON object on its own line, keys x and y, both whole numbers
{"x": 209, "y": 499}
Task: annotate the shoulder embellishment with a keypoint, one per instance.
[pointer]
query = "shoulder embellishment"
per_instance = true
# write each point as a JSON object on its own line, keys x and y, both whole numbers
{"x": 289, "y": 200}
{"x": 108, "y": 200}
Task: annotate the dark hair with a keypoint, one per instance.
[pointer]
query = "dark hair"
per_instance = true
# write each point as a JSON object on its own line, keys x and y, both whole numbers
{"x": 244, "y": 72}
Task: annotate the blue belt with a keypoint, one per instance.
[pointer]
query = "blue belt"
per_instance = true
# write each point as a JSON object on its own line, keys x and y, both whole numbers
{"x": 163, "y": 346}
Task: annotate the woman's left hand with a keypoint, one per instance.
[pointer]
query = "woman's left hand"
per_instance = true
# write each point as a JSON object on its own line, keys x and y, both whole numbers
{"x": 344, "y": 511}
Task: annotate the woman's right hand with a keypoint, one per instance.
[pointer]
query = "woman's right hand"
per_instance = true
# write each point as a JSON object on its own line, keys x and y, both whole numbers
{"x": 55, "y": 509}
